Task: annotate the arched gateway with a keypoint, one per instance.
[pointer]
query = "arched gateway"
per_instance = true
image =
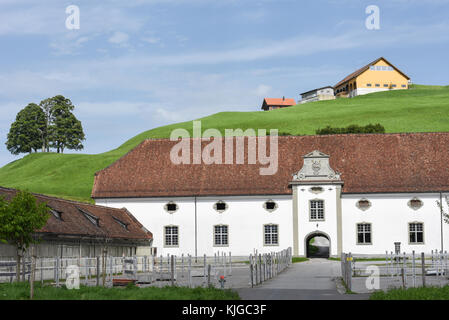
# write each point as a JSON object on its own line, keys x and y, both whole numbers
{"x": 319, "y": 248}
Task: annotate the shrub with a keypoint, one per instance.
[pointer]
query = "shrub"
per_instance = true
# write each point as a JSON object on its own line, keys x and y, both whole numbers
{"x": 353, "y": 128}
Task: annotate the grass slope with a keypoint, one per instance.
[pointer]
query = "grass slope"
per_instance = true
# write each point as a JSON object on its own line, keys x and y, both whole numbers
{"x": 420, "y": 109}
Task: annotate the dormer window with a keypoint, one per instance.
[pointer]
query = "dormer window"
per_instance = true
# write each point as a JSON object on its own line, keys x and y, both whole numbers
{"x": 415, "y": 203}
{"x": 57, "y": 214}
{"x": 220, "y": 206}
{"x": 95, "y": 220}
{"x": 363, "y": 204}
{"x": 171, "y": 207}
{"x": 270, "y": 205}
{"x": 121, "y": 223}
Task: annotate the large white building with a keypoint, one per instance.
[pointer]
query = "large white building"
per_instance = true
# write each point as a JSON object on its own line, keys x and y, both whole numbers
{"x": 363, "y": 192}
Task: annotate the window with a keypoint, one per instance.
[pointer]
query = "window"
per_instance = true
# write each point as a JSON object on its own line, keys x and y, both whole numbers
{"x": 171, "y": 236}
{"x": 363, "y": 204}
{"x": 363, "y": 233}
{"x": 416, "y": 232}
{"x": 220, "y": 235}
{"x": 393, "y": 85}
{"x": 220, "y": 206}
{"x": 121, "y": 223}
{"x": 316, "y": 210}
{"x": 271, "y": 235}
{"x": 368, "y": 84}
{"x": 415, "y": 203}
{"x": 56, "y": 213}
{"x": 171, "y": 207}
{"x": 377, "y": 85}
{"x": 385, "y": 85}
{"x": 95, "y": 220}
{"x": 404, "y": 86}
{"x": 270, "y": 205}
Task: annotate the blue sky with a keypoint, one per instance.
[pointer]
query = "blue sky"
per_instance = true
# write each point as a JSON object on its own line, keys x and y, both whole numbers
{"x": 138, "y": 64}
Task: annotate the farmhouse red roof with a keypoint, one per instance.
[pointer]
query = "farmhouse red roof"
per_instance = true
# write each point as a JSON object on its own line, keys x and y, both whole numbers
{"x": 280, "y": 102}
{"x": 75, "y": 223}
{"x": 409, "y": 162}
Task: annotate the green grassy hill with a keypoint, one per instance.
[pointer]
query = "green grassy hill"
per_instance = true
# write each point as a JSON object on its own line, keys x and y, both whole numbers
{"x": 420, "y": 109}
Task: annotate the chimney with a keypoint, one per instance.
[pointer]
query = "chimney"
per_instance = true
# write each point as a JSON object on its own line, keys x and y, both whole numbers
{"x": 283, "y": 98}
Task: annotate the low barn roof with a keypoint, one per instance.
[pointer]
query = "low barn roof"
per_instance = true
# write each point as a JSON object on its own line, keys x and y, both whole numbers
{"x": 368, "y": 163}
{"x": 74, "y": 222}
{"x": 279, "y": 102}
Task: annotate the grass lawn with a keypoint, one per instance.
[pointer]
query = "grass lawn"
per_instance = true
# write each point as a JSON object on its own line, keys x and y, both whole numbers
{"x": 21, "y": 291}
{"x": 359, "y": 259}
{"x": 428, "y": 293}
{"x": 299, "y": 259}
{"x": 420, "y": 109}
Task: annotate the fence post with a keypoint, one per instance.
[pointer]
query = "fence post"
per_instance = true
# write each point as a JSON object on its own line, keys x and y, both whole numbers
{"x": 172, "y": 266}
{"x": 190, "y": 271}
{"x": 208, "y": 275}
{"x": 98, "y": 271}
{"x": 42, "y": 270}
{"x": 251, "y": 273}
{"x": 414, "y": 271}
{"x": 423, "y": 269}
{"x": 230, "y": 264}
{"x": 204, "y": 270}
{"x": 57, "y": 271}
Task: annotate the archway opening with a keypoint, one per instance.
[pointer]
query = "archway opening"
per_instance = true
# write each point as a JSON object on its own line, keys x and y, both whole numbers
{"x": 317, "y": 246}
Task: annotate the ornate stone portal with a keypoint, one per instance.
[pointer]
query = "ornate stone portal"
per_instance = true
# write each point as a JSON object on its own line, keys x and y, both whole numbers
{"x": 316, "y": 168}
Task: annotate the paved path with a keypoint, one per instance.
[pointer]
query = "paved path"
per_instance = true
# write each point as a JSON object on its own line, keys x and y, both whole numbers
{"x": 310, "y": 280}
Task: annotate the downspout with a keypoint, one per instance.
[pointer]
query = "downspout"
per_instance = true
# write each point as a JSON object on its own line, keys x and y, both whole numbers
{"x": 441, "y": 214}
{"x": 196, "y": 233}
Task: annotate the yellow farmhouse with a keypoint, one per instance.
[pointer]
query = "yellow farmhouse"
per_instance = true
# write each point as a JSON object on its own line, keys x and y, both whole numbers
{"x": 379, "y": 75}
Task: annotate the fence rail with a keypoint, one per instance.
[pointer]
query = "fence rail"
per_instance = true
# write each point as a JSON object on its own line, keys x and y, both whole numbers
{"x": 399, "y": 269}
{"x": 268, "y": 265}
{"x": 220, "y": 270}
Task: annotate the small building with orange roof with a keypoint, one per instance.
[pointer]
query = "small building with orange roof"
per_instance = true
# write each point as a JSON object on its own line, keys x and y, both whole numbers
{"x": 277, "y": 103}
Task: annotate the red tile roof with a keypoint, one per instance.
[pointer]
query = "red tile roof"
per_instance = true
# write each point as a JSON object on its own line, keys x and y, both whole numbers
{"x": 363, "y": 69}
{"x": 75, "y": 223}
{"x": 279, "y": 102}
{"x": 409, "y": 162}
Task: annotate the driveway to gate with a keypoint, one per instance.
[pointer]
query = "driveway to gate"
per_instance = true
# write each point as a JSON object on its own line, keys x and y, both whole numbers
{"x": 310, "y": 280}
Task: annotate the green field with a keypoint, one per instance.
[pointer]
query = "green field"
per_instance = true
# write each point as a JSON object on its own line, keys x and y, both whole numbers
{"x": 21, "y": 291}
{"x": 420, "y": 109}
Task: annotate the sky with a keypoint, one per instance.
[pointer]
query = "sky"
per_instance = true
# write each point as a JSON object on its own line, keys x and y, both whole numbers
{"x": 139, "y": 64}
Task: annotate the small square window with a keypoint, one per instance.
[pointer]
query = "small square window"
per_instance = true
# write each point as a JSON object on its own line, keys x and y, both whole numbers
{"x": 377, "y": 85}
{"x": 368, "y": 84}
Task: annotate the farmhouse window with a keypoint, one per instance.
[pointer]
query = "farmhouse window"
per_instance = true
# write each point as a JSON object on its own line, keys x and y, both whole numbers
{"x": 271, "y": 235}
{"x": 416, "y": 232}
{"x": 221, "y": 235}
{"x": 368, "y": 84}
{"x": 316, "y": 210}
{"x": 364, "y": 233}
{"x": 171, "y": 236}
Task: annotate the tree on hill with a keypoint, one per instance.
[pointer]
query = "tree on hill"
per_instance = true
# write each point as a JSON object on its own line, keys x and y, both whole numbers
{"x": 65, "y": 130}
{"x": 52, "y": 124}
{"x": 27, "y": 132}
{"x": 20, "y": 218}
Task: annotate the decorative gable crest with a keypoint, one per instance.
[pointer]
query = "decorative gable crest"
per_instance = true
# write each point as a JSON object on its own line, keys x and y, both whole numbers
{"x": 316, "y": 168}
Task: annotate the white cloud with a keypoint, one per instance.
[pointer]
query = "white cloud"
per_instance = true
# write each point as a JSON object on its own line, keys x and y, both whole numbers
{"x": 119, "y": 38}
